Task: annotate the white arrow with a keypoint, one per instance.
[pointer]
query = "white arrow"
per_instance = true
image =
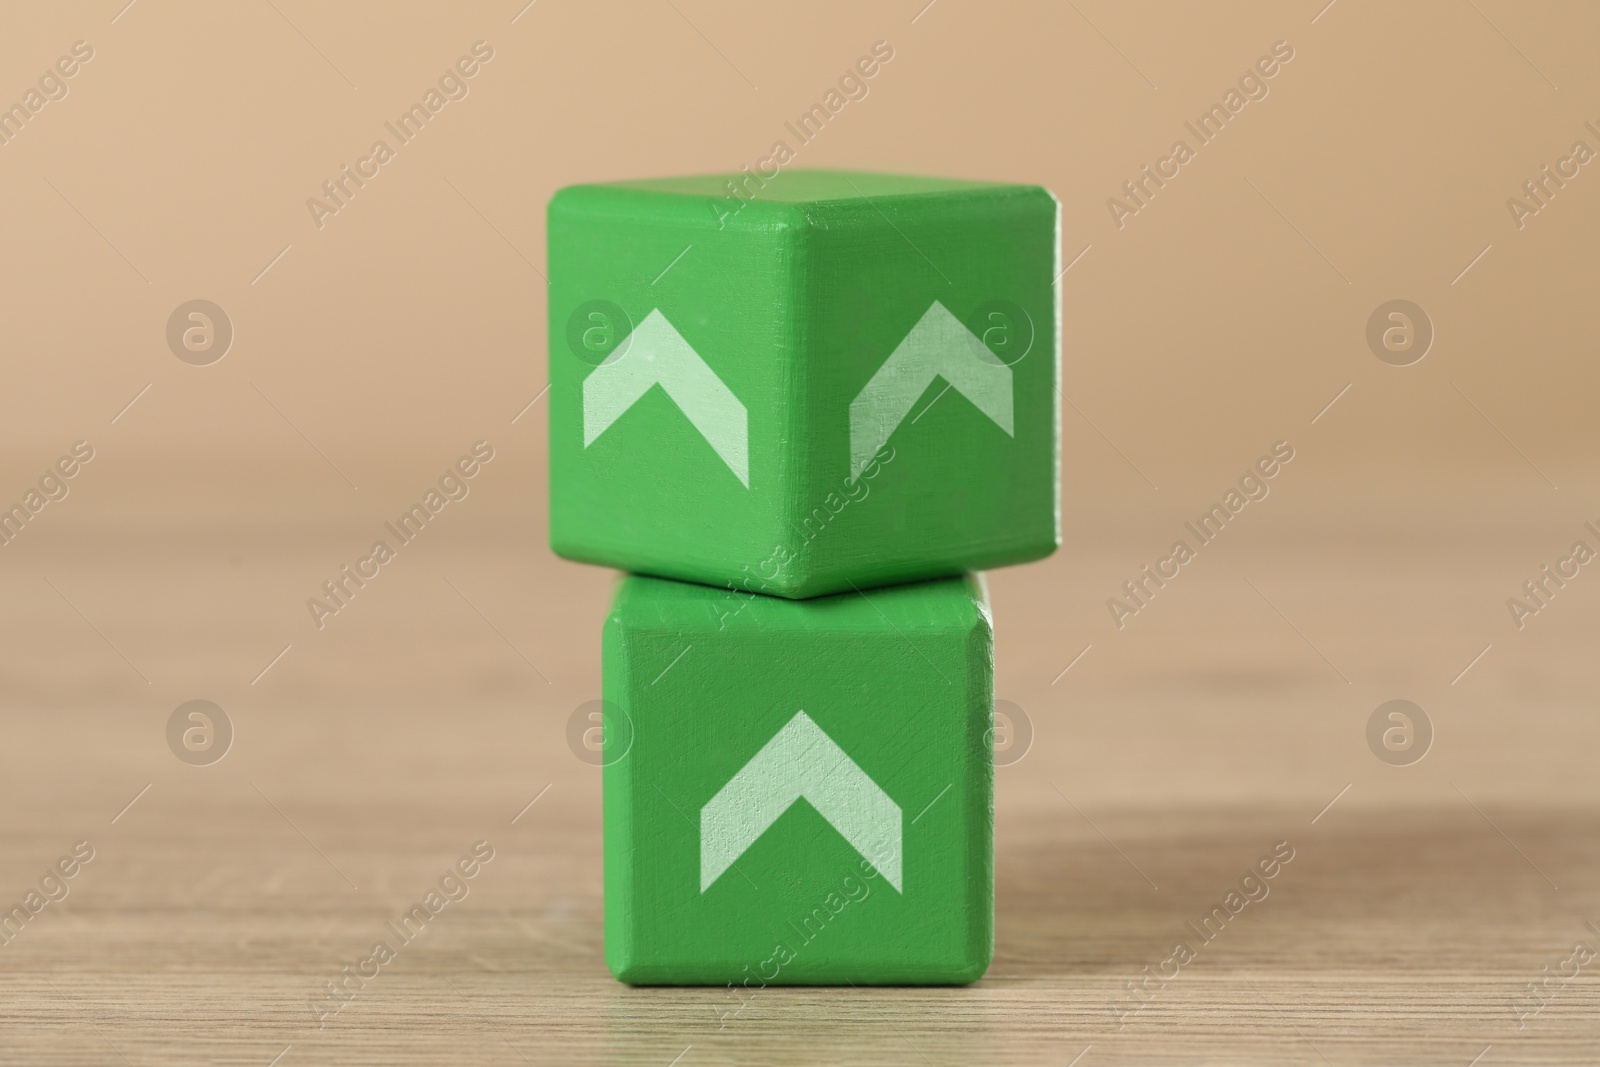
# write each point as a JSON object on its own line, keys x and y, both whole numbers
{"x": 938, "y": 346}
{"x": 657, "y": 354}
{"x": 801, "y": 761}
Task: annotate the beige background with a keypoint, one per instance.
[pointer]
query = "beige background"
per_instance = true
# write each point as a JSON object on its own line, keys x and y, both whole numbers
{"x": 370, "y": 353}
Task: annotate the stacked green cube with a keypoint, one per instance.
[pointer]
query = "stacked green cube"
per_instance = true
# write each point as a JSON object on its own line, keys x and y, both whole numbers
{"x": 808, "y": 408}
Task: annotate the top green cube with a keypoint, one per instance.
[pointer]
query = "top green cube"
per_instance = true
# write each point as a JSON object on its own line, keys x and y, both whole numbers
{"x": 806, "y": 383}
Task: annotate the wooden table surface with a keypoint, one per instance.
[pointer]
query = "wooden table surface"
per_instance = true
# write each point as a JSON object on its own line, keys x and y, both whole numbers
{"x": 1230, "y": 716}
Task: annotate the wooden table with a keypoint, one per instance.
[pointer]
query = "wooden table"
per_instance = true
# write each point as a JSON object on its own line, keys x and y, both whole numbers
{"x": 1228, "y": 717}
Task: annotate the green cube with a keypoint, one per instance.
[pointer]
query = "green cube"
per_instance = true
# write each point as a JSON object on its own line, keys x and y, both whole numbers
{"x": 798, "y": 792}
{"x": 843, "y": 379}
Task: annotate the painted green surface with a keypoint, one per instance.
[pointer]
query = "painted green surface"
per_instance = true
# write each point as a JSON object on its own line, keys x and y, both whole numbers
{"x": 795, "y": 300}
{"x": 702, "y": 681}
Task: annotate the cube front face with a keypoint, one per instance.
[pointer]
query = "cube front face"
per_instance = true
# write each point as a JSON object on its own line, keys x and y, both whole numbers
{"x": 808, "y": 792}
{"x": 849, "y": 380}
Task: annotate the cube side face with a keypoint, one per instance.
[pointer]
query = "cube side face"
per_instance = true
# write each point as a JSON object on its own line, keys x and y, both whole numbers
{"x": 671, "y": 366}
{"x": 616, "y": 804}
{"x": 765, "y": 733}
{"x": 933, "y": 348}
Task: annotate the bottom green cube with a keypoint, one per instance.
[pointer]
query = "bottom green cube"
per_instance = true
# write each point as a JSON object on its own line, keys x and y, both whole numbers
{"x": 799, "y": 792}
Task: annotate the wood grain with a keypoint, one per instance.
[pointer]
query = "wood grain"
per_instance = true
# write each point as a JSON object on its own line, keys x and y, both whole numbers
{"x": 1166, "y": 761}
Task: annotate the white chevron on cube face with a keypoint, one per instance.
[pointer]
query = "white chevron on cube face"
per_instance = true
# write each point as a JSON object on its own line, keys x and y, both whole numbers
{"x": 938, "y": 346}
{"x": 657, "y": 354}
{"x": 800, "y": 761}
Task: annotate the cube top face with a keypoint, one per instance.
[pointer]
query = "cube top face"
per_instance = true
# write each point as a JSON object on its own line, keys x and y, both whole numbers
{"x": 848, "y": 379}
{"x": 807, "y": 795}
{"x": 814, "y": 187}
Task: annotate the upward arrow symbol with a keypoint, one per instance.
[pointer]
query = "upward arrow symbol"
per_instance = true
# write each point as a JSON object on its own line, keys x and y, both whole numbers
{"x": 801, "y": 761}
{"x": 938, "y": 346}
{"x": 657, "y": 354}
